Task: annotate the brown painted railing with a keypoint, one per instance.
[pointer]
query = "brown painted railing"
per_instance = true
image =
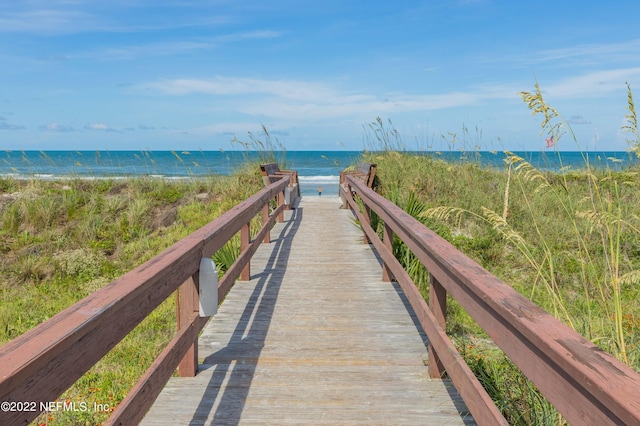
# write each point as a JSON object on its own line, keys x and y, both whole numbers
{"x": 40, "y": 365}
{"x": 585, "y": 384}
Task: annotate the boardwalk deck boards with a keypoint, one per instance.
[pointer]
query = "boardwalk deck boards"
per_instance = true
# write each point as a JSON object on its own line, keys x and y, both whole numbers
{"x": 324, "y": 341}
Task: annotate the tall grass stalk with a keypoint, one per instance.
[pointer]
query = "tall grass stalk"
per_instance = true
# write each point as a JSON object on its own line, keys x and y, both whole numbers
{"x": 381, "y": 135}
{"x": 264, "y": 149}
{"x": 605, "y": 215}
{"x": 631, "y": 125}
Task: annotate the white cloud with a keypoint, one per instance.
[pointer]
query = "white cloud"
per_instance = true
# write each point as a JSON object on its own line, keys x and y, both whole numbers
{"x": 5, "y": 125}
{"x": 176, "y": 47}
{"x": 9, "y": 126}
{"x": 55, "y": 127}
{"x": 237, "y": 128}
{"x": 290, "y": 89}
{"x": 598, "y": 53}
{"x": 96, "y": 126}
{"x": 302, "y": 100}
{"x": 364, "y": 107}
{"x": 70, "y": 17}
{"x": 152, "y": 49}
{"x": 593, "y": 84}
{"x": 45, "y": 21}
{"x": 100, "y": 127}
{"x": 585, "y": 56}
{"x": 248, "y": 35}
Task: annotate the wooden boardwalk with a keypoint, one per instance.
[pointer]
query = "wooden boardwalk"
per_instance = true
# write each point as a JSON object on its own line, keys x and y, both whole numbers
{"x": 316, "y": 337}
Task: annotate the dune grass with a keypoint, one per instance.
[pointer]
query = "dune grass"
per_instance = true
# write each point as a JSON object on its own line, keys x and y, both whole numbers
{"x": 579, "y": 264}
{"x": 61, "y": 240}
{"x": 569, "y": 241}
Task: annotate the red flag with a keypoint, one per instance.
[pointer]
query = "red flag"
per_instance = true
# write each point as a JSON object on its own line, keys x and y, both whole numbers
{"x": 549, "y": 141}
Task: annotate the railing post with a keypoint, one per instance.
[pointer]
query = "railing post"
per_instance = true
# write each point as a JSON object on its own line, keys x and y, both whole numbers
{"x": 348, "y": 193}
{"x": 367, "y": 218}
{"x": 438, "y": 306}
{"x": 186, "y": 305}
{"x": 281, "y": 202}
{"x": 245, "y": 239}
{"x": 387, "y": 240}
{"x": 265, "y": 219}
{"x": 341, "y": 191}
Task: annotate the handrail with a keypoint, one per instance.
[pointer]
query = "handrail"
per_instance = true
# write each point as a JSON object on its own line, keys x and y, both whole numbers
{"x": 586, "y": 385}
{"x": 41, "y": 364}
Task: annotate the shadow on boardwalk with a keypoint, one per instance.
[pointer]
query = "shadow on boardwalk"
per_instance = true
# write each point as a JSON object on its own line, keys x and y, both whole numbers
{"x": 238, "y": 360}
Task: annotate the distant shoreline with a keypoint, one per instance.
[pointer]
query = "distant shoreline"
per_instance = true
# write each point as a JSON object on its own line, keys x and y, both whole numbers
{"x": 323, "y": 166}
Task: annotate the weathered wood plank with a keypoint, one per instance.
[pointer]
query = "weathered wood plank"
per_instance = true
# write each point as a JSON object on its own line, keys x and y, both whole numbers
{"x": 315, "y": 337}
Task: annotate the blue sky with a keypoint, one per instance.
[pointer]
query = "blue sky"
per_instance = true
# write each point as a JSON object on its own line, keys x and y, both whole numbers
{"x": 189, "y": 75}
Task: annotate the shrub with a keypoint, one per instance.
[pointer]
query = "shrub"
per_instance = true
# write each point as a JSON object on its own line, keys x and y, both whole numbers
{"x": 82, "y": 263}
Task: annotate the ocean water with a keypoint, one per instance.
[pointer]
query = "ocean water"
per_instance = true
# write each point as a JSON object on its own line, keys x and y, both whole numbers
{"x": 315, "y": 168}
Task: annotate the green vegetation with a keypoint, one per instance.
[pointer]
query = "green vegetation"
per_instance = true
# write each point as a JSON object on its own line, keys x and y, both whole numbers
{"x": 577, "y": 264}
{"x": 62, "y": 240}
{"x": 569, "y": 241}
{"x": 631, "y": 125}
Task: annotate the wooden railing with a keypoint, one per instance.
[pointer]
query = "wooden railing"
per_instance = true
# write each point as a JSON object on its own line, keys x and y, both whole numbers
{"x": 37, "y": 367}
{"x": 585, "y": 384}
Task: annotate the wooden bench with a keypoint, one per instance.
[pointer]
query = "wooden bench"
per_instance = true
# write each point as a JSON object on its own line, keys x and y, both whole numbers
{"x": 271, "y": 173}
{"x": 364, "y": 171}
